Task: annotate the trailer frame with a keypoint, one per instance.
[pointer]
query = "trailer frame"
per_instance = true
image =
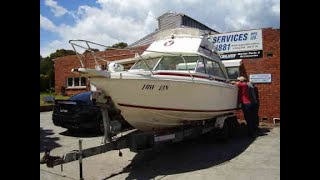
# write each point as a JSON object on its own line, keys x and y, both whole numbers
{"x": 138, "y": 141}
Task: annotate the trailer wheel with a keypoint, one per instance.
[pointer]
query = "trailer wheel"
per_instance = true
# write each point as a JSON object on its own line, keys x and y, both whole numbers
{"x": 72, "y": 131}
{"x": 225, "y": 131}
{"x": 232, "y": 127}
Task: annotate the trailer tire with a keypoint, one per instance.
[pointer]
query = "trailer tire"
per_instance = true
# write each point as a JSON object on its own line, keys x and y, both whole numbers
{"x": 72, "y": 131}
{"x": 225, "y": 131}
{"x": 232, "y": 127}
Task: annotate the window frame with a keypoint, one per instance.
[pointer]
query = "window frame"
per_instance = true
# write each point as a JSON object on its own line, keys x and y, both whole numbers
{"x": 146, "y": 60}
{"x": 238, "y": 68}
{"x": 191, "y": 70}
{"x": 201, "y": 59}
{"x": 214, "y": 76}
{"x": 73, "y": 83}
{"x": 219, "y": 66}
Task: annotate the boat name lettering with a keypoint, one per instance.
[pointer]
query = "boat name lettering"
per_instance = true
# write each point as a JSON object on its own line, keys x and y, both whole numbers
{"x": 148, "y": 87}
{"x": 163, "y": 87}
{"x": 152, "y": 87}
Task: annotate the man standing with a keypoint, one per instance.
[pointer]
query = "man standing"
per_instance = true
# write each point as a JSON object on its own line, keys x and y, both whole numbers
{"x": 246, "y": 104}
{"x": 254, "y": 98}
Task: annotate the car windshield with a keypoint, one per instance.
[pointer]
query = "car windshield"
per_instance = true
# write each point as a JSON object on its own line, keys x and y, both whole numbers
{"x": 84, "y": 97}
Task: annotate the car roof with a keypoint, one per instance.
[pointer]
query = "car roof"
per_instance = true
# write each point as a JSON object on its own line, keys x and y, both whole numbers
{"x": 84, "y": 96}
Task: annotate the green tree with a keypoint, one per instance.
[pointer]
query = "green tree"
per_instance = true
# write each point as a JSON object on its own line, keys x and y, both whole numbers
{"x": 47, "y": 68}
{"x": 44, "y": 82}
{"x": 61, "y": 52}
{"x": 94, "y": 50}
{"x": 120, "y": 45}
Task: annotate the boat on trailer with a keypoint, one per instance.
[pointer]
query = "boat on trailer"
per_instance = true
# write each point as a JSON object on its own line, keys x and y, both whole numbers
{"x": 179, "y": 79}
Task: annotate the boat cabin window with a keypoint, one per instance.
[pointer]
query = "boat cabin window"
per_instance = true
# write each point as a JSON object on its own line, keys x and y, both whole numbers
{"x": 213, "y": 68}
{"x": 141, "y": 65}
{"x": 217, "y": 70}
{"x": 209, "y": 67}
{"x": 233, "y": 72}
{"x": 177, "y": 63}
{"x": 201, "y": 66}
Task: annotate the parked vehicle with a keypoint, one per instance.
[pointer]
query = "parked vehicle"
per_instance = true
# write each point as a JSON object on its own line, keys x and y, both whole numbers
{"x": 79, "y": 113}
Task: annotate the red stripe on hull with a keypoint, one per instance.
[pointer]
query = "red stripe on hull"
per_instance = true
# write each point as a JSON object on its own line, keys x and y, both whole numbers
{"x": 173, "y": 109}
{"x": 178, "y": 74}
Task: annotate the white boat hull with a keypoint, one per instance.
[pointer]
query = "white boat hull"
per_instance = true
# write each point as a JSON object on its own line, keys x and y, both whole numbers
{"x": 153, "y": 104}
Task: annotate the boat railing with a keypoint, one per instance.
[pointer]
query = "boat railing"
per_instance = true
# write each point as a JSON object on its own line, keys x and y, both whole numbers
{"x": 89, "y": 44}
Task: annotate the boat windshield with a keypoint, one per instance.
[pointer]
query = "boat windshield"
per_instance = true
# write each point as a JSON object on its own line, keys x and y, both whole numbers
{"x": 177, "y": 63}
{"x": 141, "y": 65}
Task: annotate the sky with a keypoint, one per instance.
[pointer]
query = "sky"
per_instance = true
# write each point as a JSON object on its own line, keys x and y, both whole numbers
{"x": 113, "y": 21}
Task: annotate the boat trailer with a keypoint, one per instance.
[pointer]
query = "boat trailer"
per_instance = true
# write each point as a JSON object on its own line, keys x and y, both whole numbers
{"x": 138, "y": 141}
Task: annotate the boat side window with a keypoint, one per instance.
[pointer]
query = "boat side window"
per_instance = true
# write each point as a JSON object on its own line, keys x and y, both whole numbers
{"x": 233, "y": 72}
{"x": 141, "y": 65}
{"x": 209, "y": 67}
{"x": 201, "y": 66}
{"x": 177, "y": 63}
{"x": 217, "y": 70}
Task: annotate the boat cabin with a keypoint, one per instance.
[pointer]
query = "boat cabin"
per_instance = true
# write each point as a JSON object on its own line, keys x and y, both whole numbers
{"x": 195, "y": 65}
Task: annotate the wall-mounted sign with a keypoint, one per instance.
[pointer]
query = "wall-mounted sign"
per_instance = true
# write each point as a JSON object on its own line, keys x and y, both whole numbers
{"x": 260, "y": 78}
{"x": 238, "y": 45}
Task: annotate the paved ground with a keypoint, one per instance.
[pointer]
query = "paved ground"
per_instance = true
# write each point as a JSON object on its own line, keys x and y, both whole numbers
{"x": 202, "y": 158}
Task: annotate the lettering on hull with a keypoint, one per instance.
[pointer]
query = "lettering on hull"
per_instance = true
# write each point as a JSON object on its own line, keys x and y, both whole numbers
{"x": 151, "y": 87}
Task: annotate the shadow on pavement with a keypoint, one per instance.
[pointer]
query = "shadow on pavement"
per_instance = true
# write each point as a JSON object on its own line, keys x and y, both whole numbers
{"x": 87, "y": 133}
{"x": 201, "y": 153}
{"x": 263, "y": 131}
{"x": 82, "y": 133}
{"x": 47, "y": 142}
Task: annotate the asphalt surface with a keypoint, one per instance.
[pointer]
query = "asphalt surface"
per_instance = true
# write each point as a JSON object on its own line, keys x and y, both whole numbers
{"x": 201, "y": 158}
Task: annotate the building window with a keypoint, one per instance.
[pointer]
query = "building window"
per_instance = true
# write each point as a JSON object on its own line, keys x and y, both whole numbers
{"x": 76, "y": 82}
{"x": 83, "y": 81}
{"x": 233, "y": 72}
{"x": 70, "y": 82}
{"x": 269, "y": 54}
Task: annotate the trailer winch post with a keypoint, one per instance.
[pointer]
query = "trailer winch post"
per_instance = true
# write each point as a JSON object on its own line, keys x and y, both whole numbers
{"x": 106, "y": 123}
{"x": 101, "y": 100}
{"x": 80, "y": 159}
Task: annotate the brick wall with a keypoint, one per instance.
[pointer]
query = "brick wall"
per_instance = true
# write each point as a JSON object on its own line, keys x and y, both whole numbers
{"x": 63, "y": 66}
{"x": 269, "y": 93}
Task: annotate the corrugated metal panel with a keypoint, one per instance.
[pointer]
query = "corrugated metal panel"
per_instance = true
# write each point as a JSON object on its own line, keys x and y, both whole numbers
{"x": 144, "y": 41}
{"x": 189, "y": 22}
{"x": 170, "y": 20}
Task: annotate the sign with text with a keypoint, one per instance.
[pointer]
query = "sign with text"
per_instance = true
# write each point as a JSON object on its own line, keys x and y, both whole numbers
{"x": 238, "y": 45}
{"x": 260, "y": 78}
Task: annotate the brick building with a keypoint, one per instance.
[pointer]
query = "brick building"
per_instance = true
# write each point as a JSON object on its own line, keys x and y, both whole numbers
{"x": 269, "y": 63}
{"x": 269, "y": 93}
{"x": 69, "y": 83}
